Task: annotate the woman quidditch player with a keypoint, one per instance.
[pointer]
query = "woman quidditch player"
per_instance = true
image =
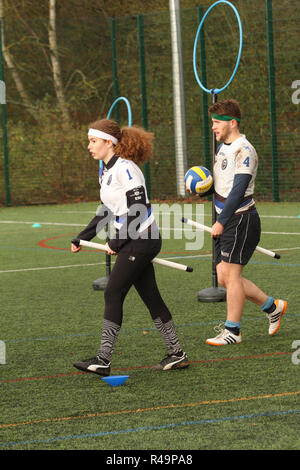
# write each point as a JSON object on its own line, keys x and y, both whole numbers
{"x": 136, "y": 242}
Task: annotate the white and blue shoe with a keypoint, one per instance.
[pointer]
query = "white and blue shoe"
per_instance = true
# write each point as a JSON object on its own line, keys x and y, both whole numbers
{"x": 224, "y": 337}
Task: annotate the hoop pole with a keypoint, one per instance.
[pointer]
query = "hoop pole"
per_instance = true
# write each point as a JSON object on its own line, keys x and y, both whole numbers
{"x": 214, "y": 215}
{"x": 114, "y": 63}
{"x": 205, "y": 127}
{"x": 178, "y": 96}
{"x": 214, "y": 294}
{"x": 120, "y": 98}
{"x": 100, "y": 284}
{"x": 109, "y": 114}
{"x": 4, "y": 123}
{"x": 140, "y": 24}
{"x": 272, "y": 99}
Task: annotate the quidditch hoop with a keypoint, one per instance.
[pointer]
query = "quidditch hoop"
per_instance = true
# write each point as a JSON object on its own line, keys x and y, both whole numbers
{"x": 217, "y": 90}
{"x": 108, "y": 116}
{"x": 128, "y": 108}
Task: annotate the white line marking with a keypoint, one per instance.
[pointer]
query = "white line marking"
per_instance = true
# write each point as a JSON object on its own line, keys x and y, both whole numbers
{"x": 42, "y": 223}
{"x": 102, "y": 263}
{"x": 279, "y": 216}
{"x": 288, "y": 249}
{"x": 90, "y": 264}
{"x": 205, "y": 215}
{"x": 281, "y": 233}
{"x": 49, "y": 267}
{"x": 161, "y": 228}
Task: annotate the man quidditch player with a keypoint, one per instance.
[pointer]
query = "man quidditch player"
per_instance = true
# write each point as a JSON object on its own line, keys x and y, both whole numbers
{"x": 237, "y": 228}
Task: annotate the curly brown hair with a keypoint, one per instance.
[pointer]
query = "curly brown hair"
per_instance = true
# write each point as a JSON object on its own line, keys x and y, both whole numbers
{"x": 134, "y": 143}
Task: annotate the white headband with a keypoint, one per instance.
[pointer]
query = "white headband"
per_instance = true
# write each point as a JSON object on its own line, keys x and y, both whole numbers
{"x": 102, "y": 135}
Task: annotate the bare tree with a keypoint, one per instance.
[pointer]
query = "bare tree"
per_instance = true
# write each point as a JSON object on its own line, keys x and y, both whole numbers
{"x": 57, "y": 78}
{"x": 19, "y": 15}
{"x": 14, "y": 71}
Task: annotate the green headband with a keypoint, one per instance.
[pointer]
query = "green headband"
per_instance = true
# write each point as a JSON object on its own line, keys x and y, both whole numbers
{"x": 224, "y": 117}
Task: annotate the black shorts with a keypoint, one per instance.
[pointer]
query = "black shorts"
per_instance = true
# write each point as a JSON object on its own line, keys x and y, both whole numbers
{"x": 239, "y": 239}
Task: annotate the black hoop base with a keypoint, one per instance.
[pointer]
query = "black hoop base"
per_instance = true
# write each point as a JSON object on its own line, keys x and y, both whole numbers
{"x": 100, "y": 284}
{"x": 212, "y": 294}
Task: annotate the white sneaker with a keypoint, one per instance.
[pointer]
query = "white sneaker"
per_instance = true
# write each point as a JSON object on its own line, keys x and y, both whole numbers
{"x": 275, "y": 317}
{"x": 225, "y": 337}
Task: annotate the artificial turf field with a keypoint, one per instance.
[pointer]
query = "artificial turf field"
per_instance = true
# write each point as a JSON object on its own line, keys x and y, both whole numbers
{"x": 235, "y": 397}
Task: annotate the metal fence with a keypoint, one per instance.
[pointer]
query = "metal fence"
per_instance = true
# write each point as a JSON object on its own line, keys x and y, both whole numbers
{"x": 46, "y": 162}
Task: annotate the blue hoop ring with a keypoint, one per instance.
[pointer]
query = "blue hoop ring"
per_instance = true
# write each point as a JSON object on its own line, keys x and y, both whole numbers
{"x": 128, "y": 109}
{"x": 121, "y": 98}
{"x": 218, "y": 90}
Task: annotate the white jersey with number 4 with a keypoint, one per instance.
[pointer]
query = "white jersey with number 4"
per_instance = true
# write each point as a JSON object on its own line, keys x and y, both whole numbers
{"x": 239, "y": 157}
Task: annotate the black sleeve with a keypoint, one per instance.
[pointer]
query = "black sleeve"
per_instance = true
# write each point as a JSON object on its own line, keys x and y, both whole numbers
{"x": 137, "y": 211}
{"x": 95, "y": 225}
{"x": 235, "y": 197}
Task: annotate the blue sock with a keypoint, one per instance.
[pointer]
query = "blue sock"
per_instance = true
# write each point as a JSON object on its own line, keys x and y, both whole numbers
{"x": 269, "y": 305}
{"x": 233, "y": 326}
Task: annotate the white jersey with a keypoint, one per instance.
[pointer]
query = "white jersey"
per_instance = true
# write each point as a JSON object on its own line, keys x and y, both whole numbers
{"x": 239, "y": 157}
{"x": 119, "y": 177}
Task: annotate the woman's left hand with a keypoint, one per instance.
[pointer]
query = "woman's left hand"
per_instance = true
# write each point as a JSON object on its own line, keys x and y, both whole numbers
{"x": 109, "y": 250}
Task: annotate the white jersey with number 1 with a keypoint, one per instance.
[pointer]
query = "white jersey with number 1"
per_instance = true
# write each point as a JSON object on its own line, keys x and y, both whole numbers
{"x": 116, "y": 181}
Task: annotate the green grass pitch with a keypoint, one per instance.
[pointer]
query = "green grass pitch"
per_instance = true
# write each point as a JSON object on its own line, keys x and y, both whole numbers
{"x": 234, "y": 397}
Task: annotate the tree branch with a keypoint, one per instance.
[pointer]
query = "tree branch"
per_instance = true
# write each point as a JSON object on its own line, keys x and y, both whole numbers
{"x": 57, "y": 79}
{"x": 13, "y": 70}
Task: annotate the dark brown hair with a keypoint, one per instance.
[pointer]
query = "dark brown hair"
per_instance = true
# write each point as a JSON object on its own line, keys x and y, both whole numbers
{"x": 227, "y": 107}
{"x": 134, "y": 143}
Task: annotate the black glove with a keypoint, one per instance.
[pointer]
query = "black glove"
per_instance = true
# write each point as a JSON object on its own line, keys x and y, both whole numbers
{"x": 76, "y": 242}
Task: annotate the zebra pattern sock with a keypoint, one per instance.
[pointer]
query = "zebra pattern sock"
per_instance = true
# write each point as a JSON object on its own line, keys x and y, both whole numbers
{"x": 110, "y": 333}
{"x": 169, "y": 335}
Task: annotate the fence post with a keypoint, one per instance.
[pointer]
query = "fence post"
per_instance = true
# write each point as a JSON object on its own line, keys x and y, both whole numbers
{"x": 272, "y": 98}
{"x": 114, "y": 65}
{"x": 207, "y": 155}
{"x": 140, "y": 22}
{"x": 178, "y": 97}
{"x": 4, "y": 129}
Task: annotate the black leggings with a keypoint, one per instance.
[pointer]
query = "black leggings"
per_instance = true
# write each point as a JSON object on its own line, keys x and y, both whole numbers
{"x": 133, "y": 266}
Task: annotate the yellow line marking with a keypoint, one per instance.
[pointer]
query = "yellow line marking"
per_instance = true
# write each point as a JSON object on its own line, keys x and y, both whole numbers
{"x": 154, "y": 408}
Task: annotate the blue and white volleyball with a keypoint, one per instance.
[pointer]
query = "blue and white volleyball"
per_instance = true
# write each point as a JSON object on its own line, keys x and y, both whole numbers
{"x": 198, "y": 180}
